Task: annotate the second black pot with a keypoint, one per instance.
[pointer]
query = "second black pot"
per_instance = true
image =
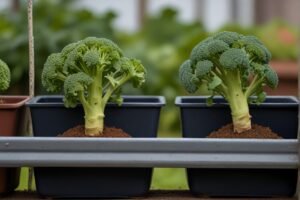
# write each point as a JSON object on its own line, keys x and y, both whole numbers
{"x": 137, "y": 116}
{"x": 199, "y": 120}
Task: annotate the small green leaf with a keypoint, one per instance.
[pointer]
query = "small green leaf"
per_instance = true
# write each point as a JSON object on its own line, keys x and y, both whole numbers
{"x": 215, "y": 82}
{"x": 261, "y": 97}
{"x": 116, "y": 97}
{"x": 210, "y": 101}
{"x": 112, "y": 80}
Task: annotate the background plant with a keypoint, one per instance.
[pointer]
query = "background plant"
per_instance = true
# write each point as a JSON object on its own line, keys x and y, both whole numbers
{"x": 56, "y": 24}
{"x": 162, "y": 52}
{"x": 5, "y": 76}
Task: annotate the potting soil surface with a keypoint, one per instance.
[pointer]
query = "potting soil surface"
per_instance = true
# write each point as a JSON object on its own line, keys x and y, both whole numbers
{"x": 78, "y": 131}
{"x": 257, "y": 131}
{"x": 152, "y": 195}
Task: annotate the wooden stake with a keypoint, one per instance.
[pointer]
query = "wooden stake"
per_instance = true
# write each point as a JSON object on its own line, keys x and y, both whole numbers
{"x": 31, "y": 49}
{"x": 142, "y": 11}
{"x": 298, "y": 183}
{"x": 31, "y": 80}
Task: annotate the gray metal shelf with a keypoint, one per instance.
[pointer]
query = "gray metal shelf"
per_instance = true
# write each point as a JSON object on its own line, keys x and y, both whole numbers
{"x": 143, "y": 152}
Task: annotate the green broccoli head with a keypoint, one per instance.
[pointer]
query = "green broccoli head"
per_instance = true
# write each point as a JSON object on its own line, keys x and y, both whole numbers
{"x": 74, "y": 87}
{"x": 187, "y": 78}
{"x": 52, "y": 74}
{"x": 5, "y": 76}
{"x": 91, "y": 72}
{"x": 234, "y": 66}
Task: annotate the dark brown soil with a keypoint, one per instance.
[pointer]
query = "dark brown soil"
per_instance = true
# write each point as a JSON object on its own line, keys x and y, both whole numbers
{"x": 257, "y": 131}
{"x": 78, "y": 131}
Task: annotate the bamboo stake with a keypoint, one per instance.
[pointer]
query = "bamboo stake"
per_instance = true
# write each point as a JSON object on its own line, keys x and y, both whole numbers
{"x": 31, "y": 49}
{"x": 31, "y": 79}
{"x": 142, "y": 11}
{"x": 298, "y": 183}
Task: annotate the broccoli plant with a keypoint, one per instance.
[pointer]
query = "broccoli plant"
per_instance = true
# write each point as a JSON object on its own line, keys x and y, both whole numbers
{"x": 4, "y": 76}
{"x": 91, "y": 71}
{"x": 233, "y": 66}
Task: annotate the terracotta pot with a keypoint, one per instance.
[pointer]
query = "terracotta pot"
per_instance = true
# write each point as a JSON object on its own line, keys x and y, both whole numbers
{"x": 11, "y": 123}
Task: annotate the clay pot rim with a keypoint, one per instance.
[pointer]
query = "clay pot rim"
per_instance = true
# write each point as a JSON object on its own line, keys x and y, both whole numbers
{"x": 20, "y": 101}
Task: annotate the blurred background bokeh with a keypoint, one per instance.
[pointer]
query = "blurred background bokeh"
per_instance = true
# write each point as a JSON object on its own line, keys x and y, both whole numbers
{"x": 160, "y": 33}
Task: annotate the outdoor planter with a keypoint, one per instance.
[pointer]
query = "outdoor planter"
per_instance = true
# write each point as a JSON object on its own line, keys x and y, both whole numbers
{"x": 11, "y": 121}
{"x": 138, "y": 116}
{"x": 199, "y": 120}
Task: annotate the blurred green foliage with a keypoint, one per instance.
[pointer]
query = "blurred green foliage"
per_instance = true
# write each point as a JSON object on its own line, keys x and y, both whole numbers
{"x": 281, "y": 39}
{"x": 163, "y": 43}
{"x": 56, "y": 23}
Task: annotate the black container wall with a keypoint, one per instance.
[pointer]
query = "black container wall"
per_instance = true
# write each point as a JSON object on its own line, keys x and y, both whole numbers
{"x": 198, "y": 121}
{"x": 137, "y": 116}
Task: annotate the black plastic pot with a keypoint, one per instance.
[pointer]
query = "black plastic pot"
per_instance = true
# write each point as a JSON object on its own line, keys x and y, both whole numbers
{"x": 138, "y": 116}
{"x": 199, "y": 120}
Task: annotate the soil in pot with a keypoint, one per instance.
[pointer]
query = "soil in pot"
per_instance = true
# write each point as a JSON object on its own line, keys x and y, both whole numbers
{"x": 257, "y": 131}
{"x": 78, "y": 131}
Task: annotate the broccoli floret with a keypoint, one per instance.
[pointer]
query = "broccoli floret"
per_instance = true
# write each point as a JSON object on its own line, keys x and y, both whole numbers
{"x": 91, "y": 72}
{"x": 186, "y": 77}
{"x": 4, "y": 76}
{"x": 234, "y": 66}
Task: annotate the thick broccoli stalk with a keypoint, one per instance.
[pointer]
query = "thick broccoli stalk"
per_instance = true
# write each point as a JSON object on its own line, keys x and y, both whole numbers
{"x": 233, "y": 66}
{"x": 4, "y": 76}
{"x": 91, "y": 72}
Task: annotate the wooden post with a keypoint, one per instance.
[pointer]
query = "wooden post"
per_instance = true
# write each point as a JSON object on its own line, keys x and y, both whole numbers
{"x": 31, "y": 49}
{"x": 31, "y": 78}
{"x": 298, "y": 183}
{"x": 15, "y": 5}
{"x": 142, "y": 12}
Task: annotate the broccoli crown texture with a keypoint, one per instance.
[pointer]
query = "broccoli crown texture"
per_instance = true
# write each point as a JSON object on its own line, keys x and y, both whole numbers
{"x": 233, "y": 66}
{"x": 229, "y": 58}
{"x": 4, "y": 76}
{"x": 91, "y": 71}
